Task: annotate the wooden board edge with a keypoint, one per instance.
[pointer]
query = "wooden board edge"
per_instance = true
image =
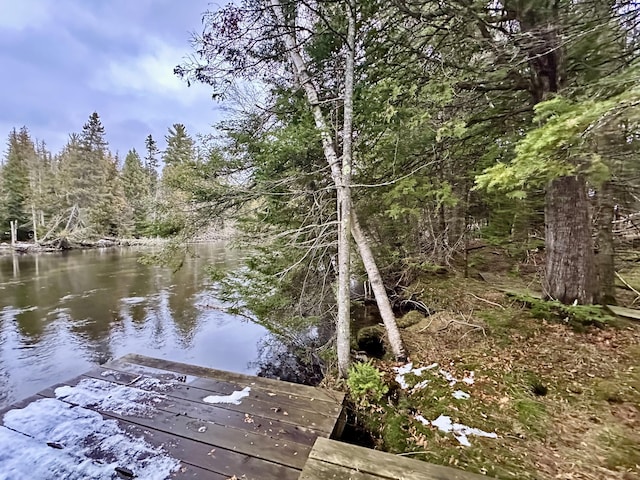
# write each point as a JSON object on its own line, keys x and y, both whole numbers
{"x": 313, "y": 393}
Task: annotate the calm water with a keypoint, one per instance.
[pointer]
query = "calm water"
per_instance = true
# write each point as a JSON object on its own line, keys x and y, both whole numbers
{"x": 61, "y": 314}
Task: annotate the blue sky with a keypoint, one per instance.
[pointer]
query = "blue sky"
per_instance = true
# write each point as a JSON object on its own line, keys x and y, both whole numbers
{"x": 63, "y": 59}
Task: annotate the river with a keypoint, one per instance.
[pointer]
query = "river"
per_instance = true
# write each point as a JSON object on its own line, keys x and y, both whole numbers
{"x": 61, "y": 314}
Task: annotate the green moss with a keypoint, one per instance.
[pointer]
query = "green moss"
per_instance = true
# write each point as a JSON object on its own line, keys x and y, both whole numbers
{"x": 395, "y": 432}
{"x": 532, "y": 415}
{"x": 409, "y": 319}
{"x": 621, "y": 448}
{"x": 576, "y": 315}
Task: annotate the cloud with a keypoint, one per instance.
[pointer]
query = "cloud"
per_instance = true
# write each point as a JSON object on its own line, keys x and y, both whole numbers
{"x": 63, "y": 60}
{"x": 150, "y": 73}
{"x": 24, "y": 14}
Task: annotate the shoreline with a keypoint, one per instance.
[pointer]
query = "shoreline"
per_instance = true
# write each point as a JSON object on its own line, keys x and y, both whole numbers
{"x": 25, "y": 248}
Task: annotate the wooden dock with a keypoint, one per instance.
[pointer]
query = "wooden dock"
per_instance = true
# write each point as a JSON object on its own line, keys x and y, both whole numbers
{"x": 153, "y": 419}
{"x": 331, "y": 460}
{"x": 147, "y": 418}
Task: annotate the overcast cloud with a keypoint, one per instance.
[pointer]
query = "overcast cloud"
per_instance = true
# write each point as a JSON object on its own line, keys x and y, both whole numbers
{"x": 63, "y": 59}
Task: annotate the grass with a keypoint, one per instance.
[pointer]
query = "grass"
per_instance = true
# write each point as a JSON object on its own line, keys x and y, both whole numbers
{"x": 564, "y": 403}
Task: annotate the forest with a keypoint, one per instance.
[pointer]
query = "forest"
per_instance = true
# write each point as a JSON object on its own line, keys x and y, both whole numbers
{"x": 87, "y": 192}
{"x": 468, "y": 170}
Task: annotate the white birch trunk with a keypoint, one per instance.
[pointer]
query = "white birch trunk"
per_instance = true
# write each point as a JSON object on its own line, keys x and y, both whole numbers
{"x": 34, "y": 220}
{"x": 379, "y": 292}
{"x": 14, "y": 231}
{"x": 343, "y": 190}
{"x": 344, "y": 206}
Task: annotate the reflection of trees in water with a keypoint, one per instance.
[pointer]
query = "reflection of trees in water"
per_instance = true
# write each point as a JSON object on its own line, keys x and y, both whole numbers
{"x": 298, "y": 363}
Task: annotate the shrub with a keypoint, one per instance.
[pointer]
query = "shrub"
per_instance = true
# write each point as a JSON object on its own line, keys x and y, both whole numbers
{"x": 366, "y": 383}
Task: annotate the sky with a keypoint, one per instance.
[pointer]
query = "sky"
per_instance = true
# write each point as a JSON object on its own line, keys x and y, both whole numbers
{"x": 61, "y": 60}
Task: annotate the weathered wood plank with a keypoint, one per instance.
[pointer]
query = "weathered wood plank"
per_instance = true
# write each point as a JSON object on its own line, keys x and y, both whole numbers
{"x": 218, "y": 387}
{"x": 311, "y": 393}
{"x": 383, "y": 465}
{"x": 286, "y": 453}
{"x": 274, "y": 406}
{"x": 224, "y": 462}
{"x": 320, "y": 407}
{"x": 317, "y": 470}
{"x": 213, "y": 413}
{"x": 630, "y": 313}
{"x": 182, "y": 451}
{"x": 191, "y": 472}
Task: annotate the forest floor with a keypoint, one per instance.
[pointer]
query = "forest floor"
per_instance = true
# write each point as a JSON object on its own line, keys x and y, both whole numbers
{"x": 563, "y": 398}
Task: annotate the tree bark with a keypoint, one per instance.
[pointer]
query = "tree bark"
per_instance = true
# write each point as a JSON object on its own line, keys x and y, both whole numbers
{"x": 34, "y": 220}
{"x": 343, "y": 326}
{"x": 344, "y": 195}
{"x": 606, "y": 250}
{"x": 380, "y": 293}
{"x": 570, "y": 263}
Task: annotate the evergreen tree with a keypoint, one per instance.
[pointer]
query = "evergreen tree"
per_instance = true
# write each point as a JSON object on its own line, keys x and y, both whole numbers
{"x": 151, "y": 160}
{"x": 135, "y": 183}
{"x": 15, "y": 179}
{"x": 180, "y": 146}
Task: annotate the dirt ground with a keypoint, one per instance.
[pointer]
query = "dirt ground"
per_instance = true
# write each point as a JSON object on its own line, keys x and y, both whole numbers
{"x": 563, "y": 398}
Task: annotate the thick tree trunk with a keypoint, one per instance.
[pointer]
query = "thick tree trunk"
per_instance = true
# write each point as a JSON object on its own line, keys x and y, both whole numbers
{"x": 570, "y": 267}
{"x": 606, "y": 250}
{"x": 382, "y": 299}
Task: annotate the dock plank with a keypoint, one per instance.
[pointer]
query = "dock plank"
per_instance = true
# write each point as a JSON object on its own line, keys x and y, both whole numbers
{"x": 199, "y": 410}
{"x": 286, "y": 453}
{"x": 377, "y": 464}
{"x": 159, "y": 406}
{"x": 274, "y": 406}
{"x": 188, "y": 468}
{"x": 311, "y": 393}
{"x": 317, "y": 470}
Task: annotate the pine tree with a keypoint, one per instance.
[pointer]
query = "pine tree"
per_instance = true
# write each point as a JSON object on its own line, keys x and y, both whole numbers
{"x": 15, "y": 180}
{"x": 180, "y": 146}
{"x": 135, "y": 183}
{"x": 151, "y": 160}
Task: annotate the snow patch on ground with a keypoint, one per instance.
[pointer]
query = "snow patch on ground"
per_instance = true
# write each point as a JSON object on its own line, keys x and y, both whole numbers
{"x": 419, "y": 386}
{"x": 460, "y": 395}
{"x": 235, "y": 398}
{"x": 460, "y": 432}
{"x": 407, "y": 369}
{"x": 110, "y": 397}
{"x": 92, "y": 447}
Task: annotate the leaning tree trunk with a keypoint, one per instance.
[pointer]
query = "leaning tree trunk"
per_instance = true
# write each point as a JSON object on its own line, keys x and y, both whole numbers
{"x": 344, "y": 198}
{"x": 570, "y": 267}
{"x": 606, "y": 250}
{"x": 380, "y": 293}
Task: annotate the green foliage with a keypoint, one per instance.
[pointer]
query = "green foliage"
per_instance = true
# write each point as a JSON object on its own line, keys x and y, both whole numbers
{"x": 366, "y": 383}
{"x": 561, "y": 145}
{"x": 578, "y": 315}
{"x": 15, "y": 178}
{"x": 180, "y": 146}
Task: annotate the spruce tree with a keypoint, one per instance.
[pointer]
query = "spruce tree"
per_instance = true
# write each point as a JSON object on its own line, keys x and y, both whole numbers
{"x": 135, "y": 183}
{"x": 180, "y": 146}
{"x": 15, "y": 179}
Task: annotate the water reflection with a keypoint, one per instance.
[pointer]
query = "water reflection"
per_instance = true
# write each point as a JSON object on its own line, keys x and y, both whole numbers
{"x": 62, "y": 313}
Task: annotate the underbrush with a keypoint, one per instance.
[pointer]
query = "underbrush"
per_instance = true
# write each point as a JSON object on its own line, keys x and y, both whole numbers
{"x": 563, "y": 402}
